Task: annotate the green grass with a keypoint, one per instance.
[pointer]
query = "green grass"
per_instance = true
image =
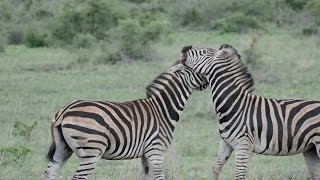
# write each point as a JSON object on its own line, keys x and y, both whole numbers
{"x": 35, "y": 83}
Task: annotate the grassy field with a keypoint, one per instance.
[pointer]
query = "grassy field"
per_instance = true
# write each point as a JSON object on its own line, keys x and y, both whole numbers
{"x": 35, "y": 83}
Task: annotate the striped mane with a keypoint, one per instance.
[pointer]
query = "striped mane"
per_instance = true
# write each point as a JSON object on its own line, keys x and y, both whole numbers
{"x": 159, "y": 83}
{"x": 239, "y": 67}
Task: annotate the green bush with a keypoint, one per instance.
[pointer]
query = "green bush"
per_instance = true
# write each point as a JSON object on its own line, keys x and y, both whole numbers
{"x": 84, "y": 41}
{"x": 83, "y": 56}
{"x": 23, "y": 130}
{"x": 192, "y": 16}
{"x": 312, "y": 30}
{"x": 236, "y": 23}
{"x": 3, "y": 43}
{"x": 296, "y": 4}
{"x": 93, "y": 17}
{"x": 34, "y": 39}
{"x": 13, "y": 154}
{"x": 136, "y": 34}
{"x": 109, "y": 56}
{"x": 313, "y": 7}
{"x": 15, "y": 37}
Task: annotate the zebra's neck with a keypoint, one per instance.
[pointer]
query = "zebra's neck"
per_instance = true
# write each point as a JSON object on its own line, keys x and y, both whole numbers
{"x": 230, "y": 85}
{"x": 170, "y": 94}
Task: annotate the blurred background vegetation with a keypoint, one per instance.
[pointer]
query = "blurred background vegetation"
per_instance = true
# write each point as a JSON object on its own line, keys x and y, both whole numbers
{"x": 56, "y": 51}
{"x": 124, "y": 30}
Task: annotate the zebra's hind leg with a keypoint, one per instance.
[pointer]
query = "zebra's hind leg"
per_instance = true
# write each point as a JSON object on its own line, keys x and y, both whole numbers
{"x": 313, "y": 162}
{"x": 89, "y": 154}
{"x": 223, "y": 155}
{"x": 58, "y": 154}
{"x": 146, "y": 169}
{"x": 156, "y": 164}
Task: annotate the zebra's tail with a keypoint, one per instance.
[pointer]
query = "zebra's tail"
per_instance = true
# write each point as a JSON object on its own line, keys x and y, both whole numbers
{"x": 64, "y": 150}
{"x": 52, "y": 148}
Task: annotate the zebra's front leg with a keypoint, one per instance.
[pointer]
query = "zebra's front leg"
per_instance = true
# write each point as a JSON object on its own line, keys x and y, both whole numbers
{"x": 146, "y": 169}
{"x": 243, "y": 153}
{"x": 223, "y": 155}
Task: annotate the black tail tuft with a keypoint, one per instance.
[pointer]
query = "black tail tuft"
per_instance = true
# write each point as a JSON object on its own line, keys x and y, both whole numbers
{"x": 51, "y": 152}
{"x": 52, "y": 149}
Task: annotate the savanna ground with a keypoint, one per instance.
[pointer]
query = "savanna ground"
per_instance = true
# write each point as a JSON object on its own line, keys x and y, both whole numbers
{"x": 35, "y": 83}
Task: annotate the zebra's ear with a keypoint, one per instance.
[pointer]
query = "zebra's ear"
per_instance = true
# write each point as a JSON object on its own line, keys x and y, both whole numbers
{"x": 228, "y": 50}
{"x": 225, "y": 46}
{"x": 185, "y": 49}
{"x": 176, "y": 67}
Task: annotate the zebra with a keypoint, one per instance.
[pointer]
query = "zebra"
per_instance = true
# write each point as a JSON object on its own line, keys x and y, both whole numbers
{"x": 253, "y": 124}
{"x": 141, "y": 128}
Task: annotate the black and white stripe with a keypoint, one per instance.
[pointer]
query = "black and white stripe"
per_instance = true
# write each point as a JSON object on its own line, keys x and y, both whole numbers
{"x": 137, "y": 129}
{"x": 250, "y": 123}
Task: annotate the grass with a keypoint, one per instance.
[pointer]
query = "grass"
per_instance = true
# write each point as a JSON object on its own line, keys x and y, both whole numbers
{"x": 35, "y": 83}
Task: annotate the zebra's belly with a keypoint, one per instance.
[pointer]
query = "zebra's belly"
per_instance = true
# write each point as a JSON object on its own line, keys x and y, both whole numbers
{"x": 277, "y": 150}
{"x": 121, "y": 150}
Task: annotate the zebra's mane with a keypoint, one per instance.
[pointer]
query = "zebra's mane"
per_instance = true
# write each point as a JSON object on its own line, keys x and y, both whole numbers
{"x": 160, "y": 82}
{"x": 241, "y": 67}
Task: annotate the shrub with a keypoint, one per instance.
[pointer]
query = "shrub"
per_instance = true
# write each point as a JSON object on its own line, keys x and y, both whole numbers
{"x": 236, "y": 23}
{"x": 3, "y": 43}
{"x": 84, "y": 41}
{"x": 313, "y": 7}
{"x": 106, "y": 58}
{"x": 35, "y": 39}
{"x": 136, "y": 34}
{"x": 251, "y": 56}
{"x": 192, "y": 16}
{"x": 296, "y": 4}
{"x": 13, "y": 154}
{"x": 83, "y": 56}
{"x": 15, "y": 37}
{"x": 93, "y": 17}
{"x": 22, "y": 129}
{"x": 308, "y": 31}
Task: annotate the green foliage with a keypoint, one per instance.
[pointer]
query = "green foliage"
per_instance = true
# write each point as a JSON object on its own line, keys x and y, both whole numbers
{"x": 93, "y": 17}
{"x": 313, "y": 7}
{"x": 236, "y": 23}
{"x": 23, "y": 130}
{"x": 296, "y": 4}
{"x": 84, "y": 41}
{"x": 3, "y": 43}
{"x": 251, "y": 56}
{"x": 193, "y": 16}
{"x": 107, "y": 55}
{"x": 13, "y": 153}
{"x": 83, "y": 56}
{"x": 34, "y": 39}
{"x": 15, "y": 37}
{"x": 136, "y": 34}
{"x": 311, "y": 30}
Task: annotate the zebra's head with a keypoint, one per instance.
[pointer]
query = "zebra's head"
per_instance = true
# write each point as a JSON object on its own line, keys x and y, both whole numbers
{"x": 198, "y": 58}
{"x": 192, "y": 79}
{"x": 217, "y": 63}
